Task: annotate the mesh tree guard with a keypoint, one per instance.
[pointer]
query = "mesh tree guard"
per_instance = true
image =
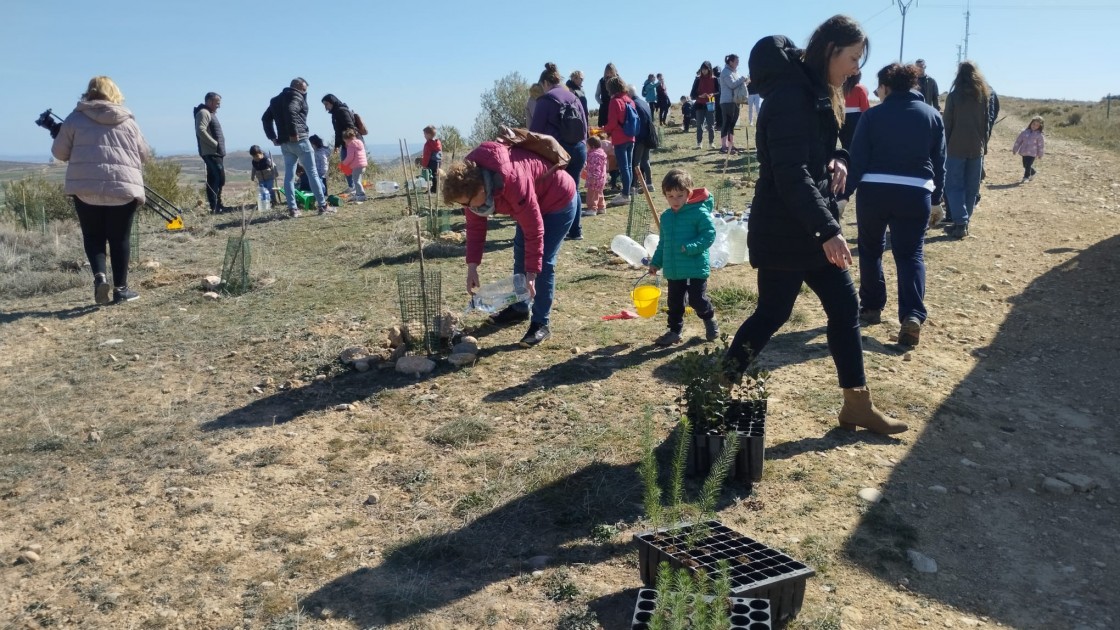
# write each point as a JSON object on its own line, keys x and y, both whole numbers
{"x": 236, "y": 266}
{"x": 637, "y": 223}
{"x": 421, "y": 299}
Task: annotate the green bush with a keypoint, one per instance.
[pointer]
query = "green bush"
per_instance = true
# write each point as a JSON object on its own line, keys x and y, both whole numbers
{"x": 1073, "y": 119}
{"x": 162, "y": 176}
{"x": 34, "y": 200}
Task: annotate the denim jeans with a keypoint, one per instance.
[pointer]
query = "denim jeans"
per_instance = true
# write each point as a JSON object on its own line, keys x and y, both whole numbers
{"x": 624, "y": 155}
{"x": 556, "y": 226}
{"x": 359, "y": 190}
{"x": 905, "y": 209}
{"x": 264, "y": 187}
{"x": 641, "y": 160}
{"x": 215, "y": 180}
{"x": 705, "y": 117}
{"x": 962, "y": 185}
{"x": 302, "y": 153}
{"x": 575, "y": 167}
{"x": 778, "y": 290}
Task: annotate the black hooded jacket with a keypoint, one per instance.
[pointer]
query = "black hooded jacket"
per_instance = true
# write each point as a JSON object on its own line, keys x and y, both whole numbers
{"x": 286, "y": 116}
{"x": 341, "y": 118}
{"x": 793, "y": 213}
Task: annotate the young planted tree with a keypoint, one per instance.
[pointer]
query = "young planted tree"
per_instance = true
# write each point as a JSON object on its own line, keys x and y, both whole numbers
{"x": 504, "y": 104}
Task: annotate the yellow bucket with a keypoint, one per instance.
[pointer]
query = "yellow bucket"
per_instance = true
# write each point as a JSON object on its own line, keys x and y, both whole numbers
{"x": 645, "y": 300}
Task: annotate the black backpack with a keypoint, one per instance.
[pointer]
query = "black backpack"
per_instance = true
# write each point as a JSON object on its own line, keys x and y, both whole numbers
{"x": 647, "y": 133}
{"x": 571, "y": 127}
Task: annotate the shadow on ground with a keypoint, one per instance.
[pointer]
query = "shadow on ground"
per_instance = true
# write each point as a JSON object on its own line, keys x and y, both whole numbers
{"x": 1042, "y": 401}
{"x": 66, "y": 313}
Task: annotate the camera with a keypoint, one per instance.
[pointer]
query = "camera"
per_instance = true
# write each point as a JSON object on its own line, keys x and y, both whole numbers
{"x": 50, "y": 121}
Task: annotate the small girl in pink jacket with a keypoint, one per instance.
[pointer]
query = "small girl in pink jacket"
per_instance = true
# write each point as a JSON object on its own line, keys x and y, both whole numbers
{"x": 596, "y": 177}
{"x": 356, "y": 162}
{"x": 1030, "y": 144}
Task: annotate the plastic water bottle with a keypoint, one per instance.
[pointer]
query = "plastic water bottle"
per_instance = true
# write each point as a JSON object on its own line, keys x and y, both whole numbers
{"x": 629, "y": 250}
{"x": 718, "y": 253}
{"x": 418, "y": 183}
{"x": 651, "y": 244}
{"x": 262, "y": 204}
{"x": 737, "y": 243}
{"x": 497, "y": 295}
{"x": 386, "y": 187}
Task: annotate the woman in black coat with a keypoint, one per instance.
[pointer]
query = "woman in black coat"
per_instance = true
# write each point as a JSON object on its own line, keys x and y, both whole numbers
{"x": 341, "y": 119}
{"x": 794, "y": 230}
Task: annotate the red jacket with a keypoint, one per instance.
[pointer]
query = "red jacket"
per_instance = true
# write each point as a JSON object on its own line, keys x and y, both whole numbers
{"x": 857, "y": 100}
{"x": 616, "y": 112}
{"x": 522, "y": 197}
{"x": 431, "y": 147}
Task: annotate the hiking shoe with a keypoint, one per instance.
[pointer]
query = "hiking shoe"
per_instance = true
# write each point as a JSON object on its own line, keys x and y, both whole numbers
{"x": 723, "y": 150}
{"x": 910, "y": 332}
{"x": 294, "y": 213}
{"x": 124, "y": 294}
{"x": 620, "y": 200}
{"x": 509, "y": 315}
{"x": 101, "y": 289}
{"x": 711, "y": 329}
{"x": 699, "y": 146}
{"x": 325, "y": 209}
{"x": 536, "y": 334}
{"x": 577, "y": 237}
{"x": 588, "y": 213}
{"x": 957, "y": 231}
{"x": 871, "y": 316}
{"x": 711, "y": 145}
{"x": 668, "y": 339}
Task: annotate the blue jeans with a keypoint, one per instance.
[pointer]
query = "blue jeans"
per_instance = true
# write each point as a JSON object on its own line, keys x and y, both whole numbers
{"x": 705, "y": 118}
{"x": 341, "y": 158}
{"x": 624, "y": 155}
{"x": 641, "y": 160}
{"x": 905, "y": 209}
{"x": 962, "y": 184}
{"x": 215, "y": 180}
{"x": 556, "y": 225}
{"x": 575, "y": 167}
{"x": 264, "y": 187}
{"x": 302, "y": 153}
{"x": 778, "y": 290}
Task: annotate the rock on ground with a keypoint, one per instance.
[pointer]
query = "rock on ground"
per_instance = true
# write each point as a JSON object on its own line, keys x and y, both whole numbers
{"x": 921, "y": 562}
{"x": 415, "y": 365}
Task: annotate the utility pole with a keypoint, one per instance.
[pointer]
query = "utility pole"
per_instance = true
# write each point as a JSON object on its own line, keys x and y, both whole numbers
{"x": 967, "y": 17}
{"x": 903, "y": 7}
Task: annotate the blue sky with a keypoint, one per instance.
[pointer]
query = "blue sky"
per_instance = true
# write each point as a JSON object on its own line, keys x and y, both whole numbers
{"x": 403, "y": 65}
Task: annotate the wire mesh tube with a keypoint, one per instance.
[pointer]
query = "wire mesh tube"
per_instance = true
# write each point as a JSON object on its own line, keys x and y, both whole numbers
{"x": 421, "y": 300}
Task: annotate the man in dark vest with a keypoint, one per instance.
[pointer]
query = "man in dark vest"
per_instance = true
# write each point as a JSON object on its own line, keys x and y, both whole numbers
{"x": 212, "y": 148}
{"x": 928, "y": 86}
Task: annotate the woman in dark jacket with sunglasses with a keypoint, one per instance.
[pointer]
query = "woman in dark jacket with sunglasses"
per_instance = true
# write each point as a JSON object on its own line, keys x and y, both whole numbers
{"x": 543, "y": 200}
{"x": 794, "y": 233}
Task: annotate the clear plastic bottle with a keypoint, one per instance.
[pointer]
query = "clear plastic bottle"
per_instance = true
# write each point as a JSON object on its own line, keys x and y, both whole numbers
{"x": 718, "y": 253}
{"x": 630, "y": 250}
{"x": 499, "y": 294}
{"x": 386, "y": 187}
{"x": 650, "y": 243}
{"x": 262, "y": 204}
{"x": 737, "y": 243}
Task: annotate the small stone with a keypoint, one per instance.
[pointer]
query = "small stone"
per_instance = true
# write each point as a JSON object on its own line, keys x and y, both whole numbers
{"x": 893, "y": 336}
{"x": 150, "y": 264}
{"x": 398, "y": 352}
{"x": 352, "y": 354}
{"x": 373, "y": 499}
{"x": 465, "y": 347}
{"x": 540, "y": 573}
{"x": 1081, "y": 483}
{"x": 326, "y": 613}
{"x": 921, "y": 562}
{"x": 319, "y": 378}
{"x": 361, "y": 365}
{"x": 907, "y": 357}
{"x": 93, "y": 437}
{"x": 267, "y": 584}
{"x": 211, "y": 282}
{"x": 415, "y": 365}
{"x": 968, "y": 463}
{"x": 27, "y": 557}
{"x": 257, "y": 389}
{"x": 112, "y": 342}
{"x": 538, "y": 562}
{"x": 211, "y": 295}
{"x": 1055, "y": 486}
{"x": 461, "y": 359}
{"x": 343, "y": 407}
{"x": 575, "y": 350}
{"x": 396, "y": 337}
{"x": 850, "y": 617}
{"x": 939, "y": 489}
{"x": 1004, "y": 483}
{"x": 33, "y": 547}
{"x": 870, "y": 495}
{"x": 986, "y": 287}
{"x": 964, "y": 490}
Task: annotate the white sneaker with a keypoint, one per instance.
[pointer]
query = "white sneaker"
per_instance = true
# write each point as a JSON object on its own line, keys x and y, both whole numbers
{"x": 620, "y": 200}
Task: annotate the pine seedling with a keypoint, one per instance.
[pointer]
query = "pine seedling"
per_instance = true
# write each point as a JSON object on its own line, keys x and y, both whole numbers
{"x": 651, "y": 497}
{"x": 710, "y": 491}
{"x": 680, "y": 461}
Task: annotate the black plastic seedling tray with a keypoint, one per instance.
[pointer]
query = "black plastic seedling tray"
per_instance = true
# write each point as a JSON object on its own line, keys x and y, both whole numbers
{"x": 746, "y": 613}
{"x": 749, "y": 420}
{"x": 756, "y": 570}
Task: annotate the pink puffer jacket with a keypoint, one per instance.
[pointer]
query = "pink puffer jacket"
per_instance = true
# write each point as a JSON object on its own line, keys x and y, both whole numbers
{"x": 105, "y": 152}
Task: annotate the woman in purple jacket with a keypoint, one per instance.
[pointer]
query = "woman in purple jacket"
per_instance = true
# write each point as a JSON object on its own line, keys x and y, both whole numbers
{"x": 548, "y": 118}
{"x": 105, "y": 154}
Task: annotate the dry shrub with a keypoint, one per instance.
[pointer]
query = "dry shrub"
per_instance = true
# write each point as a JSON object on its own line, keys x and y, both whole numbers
{"x": 40, "y": 262}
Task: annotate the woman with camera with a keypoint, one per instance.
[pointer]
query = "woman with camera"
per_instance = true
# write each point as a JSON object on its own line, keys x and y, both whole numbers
{"x": 105, "y": 153}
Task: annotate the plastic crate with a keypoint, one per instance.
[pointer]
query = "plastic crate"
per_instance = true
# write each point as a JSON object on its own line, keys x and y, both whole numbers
{"x": 756, "y": 570}
{"x": 746, "y": 613}
{"x": 749, "y": 418}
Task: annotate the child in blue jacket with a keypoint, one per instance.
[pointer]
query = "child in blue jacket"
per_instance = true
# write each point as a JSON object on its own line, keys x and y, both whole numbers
{"x": 687, "y": 231}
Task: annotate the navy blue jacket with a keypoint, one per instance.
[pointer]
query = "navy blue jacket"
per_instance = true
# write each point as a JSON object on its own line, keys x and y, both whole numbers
{"x": 286, "y": 116}
{"x": 900, "y": 136}
{"x": 793, "y": 212}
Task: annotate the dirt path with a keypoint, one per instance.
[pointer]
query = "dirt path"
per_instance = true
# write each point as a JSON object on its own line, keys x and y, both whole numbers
{"x": 203, "y": 503}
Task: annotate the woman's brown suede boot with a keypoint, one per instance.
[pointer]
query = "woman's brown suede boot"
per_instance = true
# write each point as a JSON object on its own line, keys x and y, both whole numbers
{"x": 859, "y": 411}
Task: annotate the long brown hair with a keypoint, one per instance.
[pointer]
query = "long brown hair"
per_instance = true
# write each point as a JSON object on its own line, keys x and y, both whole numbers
{"x": 970, "y": 83}
{"x": 838, "y": 31}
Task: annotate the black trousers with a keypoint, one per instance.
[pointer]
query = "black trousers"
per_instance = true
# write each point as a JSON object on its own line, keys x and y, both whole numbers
{"x": 1028, "y": 167}
{"x": 778, "y": 290}
{"x": 696, "y": 290}
{"x": 215, "y": 180}
{"x": 112, "y": 224}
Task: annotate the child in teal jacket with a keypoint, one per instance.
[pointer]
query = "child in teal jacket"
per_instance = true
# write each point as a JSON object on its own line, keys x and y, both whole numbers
{"x": 687, "y": 231}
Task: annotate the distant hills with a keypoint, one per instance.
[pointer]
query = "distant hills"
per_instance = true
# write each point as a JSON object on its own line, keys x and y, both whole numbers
{"x": 238, "y": 160}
